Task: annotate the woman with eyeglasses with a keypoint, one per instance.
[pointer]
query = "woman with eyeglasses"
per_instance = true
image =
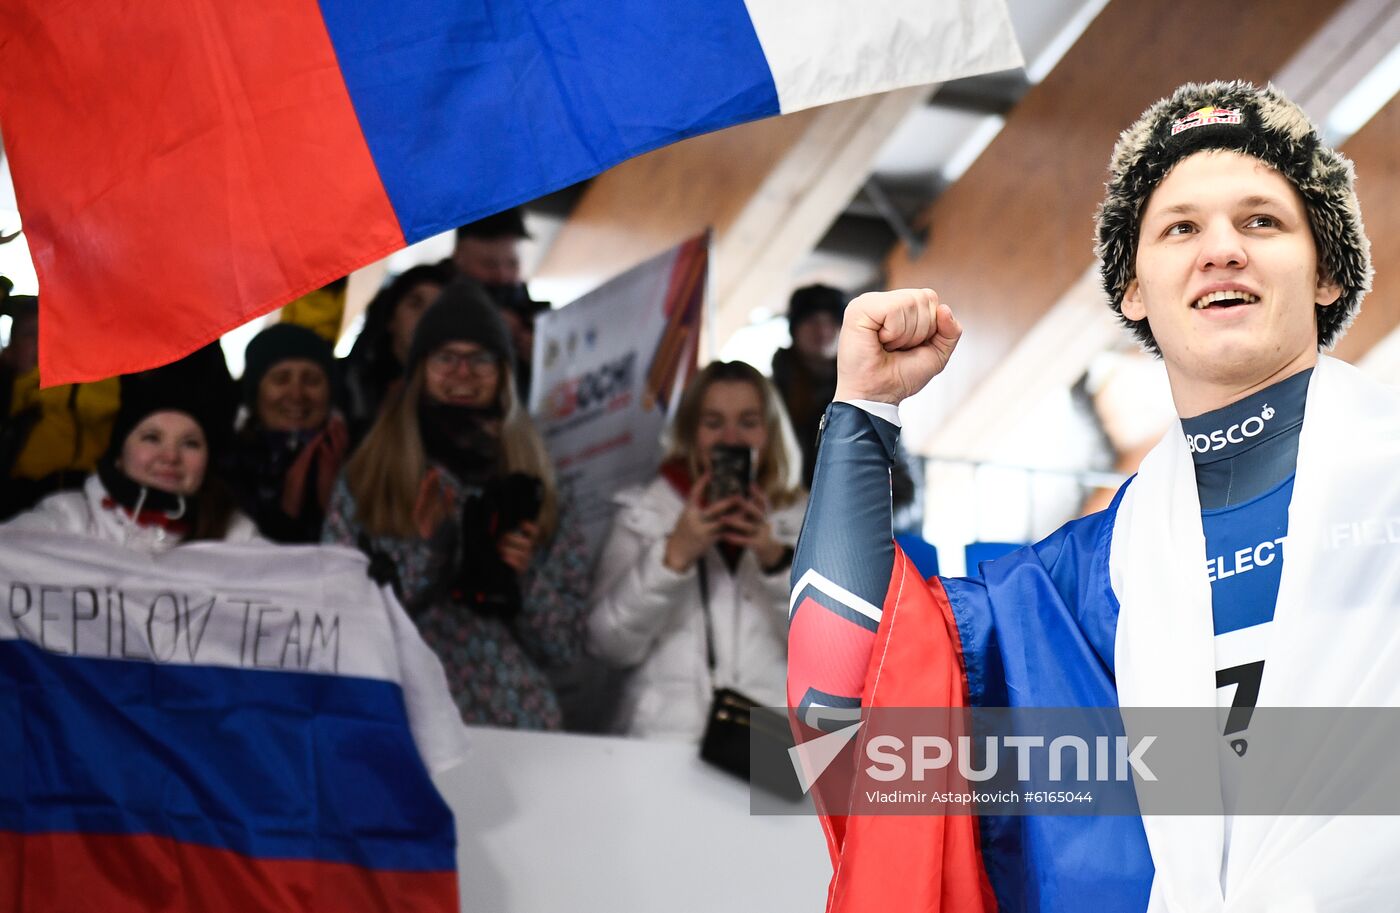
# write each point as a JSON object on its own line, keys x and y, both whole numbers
{"x": 453, "y": 498}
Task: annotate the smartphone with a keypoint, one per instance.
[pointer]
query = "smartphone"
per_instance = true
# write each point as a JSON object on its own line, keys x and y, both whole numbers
{"x": 731, "y": 472}
{"x": 517, "y": 498}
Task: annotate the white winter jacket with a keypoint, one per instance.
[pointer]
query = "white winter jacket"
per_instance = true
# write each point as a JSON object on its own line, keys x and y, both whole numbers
{"x": 82, "y": 512}
{"x": 648, "y": 617}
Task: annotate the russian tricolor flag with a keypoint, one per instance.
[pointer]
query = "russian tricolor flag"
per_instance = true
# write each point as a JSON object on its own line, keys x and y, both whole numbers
{"x": 183, "y": 166}
{"x": 180, "y": 735}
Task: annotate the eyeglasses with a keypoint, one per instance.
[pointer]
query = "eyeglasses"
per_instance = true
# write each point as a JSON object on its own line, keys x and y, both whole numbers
{"x": 446, "y": 360}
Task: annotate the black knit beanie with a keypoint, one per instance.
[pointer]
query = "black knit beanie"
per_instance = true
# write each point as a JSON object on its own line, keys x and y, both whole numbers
{"x": 811, "y": 300}
{"x": 171, "y": 389}
{"x": 1262, "y": 123}
{"x": 507, "y": 224}
{"x": 462, "y": 313}
{"x": 278, "y": 343}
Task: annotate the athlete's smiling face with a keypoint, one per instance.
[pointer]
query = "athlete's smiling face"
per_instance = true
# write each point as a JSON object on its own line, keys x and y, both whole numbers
{"x": 1227, "y": 277}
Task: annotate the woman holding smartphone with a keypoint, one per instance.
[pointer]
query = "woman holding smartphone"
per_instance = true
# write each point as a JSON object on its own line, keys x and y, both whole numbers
{"x": 691, "y": 588}
{"x": 452, "y": 497}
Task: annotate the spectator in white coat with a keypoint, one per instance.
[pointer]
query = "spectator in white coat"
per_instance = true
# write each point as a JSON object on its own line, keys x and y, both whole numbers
{"x": 671, "y": 559}
{"x": 152, "y": 490}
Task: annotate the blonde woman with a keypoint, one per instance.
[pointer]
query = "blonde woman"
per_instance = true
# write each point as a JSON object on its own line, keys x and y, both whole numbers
{"x": 453, "y": 498}
{"x": 691, "y": 590}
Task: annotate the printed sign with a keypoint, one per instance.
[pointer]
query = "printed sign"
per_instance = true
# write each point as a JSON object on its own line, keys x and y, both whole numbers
{"x": 609, "y": 370}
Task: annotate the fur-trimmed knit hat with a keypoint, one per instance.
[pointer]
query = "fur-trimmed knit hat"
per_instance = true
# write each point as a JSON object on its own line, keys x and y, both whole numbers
{"x": 1257, "y": 122}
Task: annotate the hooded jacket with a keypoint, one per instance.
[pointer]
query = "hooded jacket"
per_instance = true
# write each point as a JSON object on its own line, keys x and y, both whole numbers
{"x": 650, "y": 618}
{"x": 91, "y": 512}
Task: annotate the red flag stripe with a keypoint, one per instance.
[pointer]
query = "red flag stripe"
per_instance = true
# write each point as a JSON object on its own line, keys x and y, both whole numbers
{"x": 228, "y": 172}
{"x": 59, "y": 873}
{"x": 906, "y": 862}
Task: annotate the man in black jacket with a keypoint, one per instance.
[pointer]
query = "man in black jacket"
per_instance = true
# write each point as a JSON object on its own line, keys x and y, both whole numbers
{"x": 805, "y": 373}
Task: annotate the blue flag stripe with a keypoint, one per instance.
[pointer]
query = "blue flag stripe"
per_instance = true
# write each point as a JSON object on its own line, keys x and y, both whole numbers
{"x": 469, "y": 107}
{"x": 272, "y": 765}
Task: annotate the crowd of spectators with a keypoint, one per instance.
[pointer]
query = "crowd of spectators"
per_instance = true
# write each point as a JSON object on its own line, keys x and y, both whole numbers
{"x": 418, "y": 450}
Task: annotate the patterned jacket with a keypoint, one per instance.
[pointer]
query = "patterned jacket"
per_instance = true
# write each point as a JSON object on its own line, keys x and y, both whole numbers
{"x": 495, "y": 667}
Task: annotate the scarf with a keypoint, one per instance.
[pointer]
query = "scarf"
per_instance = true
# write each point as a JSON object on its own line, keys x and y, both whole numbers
{"x": 1333, "y": 644}
{"x": 146, "y": 506}
{"x": 464, "y": 439}
{"x": 325, "y": 450}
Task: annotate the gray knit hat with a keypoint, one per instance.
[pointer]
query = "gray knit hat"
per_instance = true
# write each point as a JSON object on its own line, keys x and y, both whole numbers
{"x": 463, "y": 312}
{"x": 1258, "y": 122}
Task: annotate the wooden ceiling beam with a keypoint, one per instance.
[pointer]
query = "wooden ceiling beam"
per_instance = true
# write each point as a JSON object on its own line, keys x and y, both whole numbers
{"x": 1375, "y": 150}
{"x": 769, "y": 189}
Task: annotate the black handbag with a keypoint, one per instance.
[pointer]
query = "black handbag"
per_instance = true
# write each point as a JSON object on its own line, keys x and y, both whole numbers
{"x": 726, "y": 740}
{"x": 734, "y": 732}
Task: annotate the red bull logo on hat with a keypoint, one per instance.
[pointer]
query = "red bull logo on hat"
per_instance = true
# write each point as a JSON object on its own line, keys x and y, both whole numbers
{"x": 1204, "y": 116}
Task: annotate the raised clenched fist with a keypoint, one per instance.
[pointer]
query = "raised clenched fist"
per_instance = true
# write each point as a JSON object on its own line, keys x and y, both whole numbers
{"x": 892, "y": 344}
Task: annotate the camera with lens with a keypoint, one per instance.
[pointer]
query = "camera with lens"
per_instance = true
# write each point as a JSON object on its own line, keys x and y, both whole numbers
{"x": 485, "y": 583}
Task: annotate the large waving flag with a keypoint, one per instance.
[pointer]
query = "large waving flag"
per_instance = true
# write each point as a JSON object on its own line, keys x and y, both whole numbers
{"x": 179, "y": 739}
{"x": 183, "y": 166}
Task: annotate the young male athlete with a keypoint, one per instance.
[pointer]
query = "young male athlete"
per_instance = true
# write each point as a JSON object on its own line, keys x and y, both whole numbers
{"x": 1253, "y": 561}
